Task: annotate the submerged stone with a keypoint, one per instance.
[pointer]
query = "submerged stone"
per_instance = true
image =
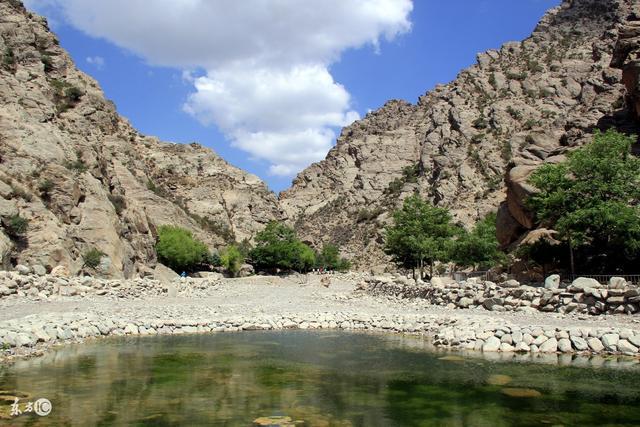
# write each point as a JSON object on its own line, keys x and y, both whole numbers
{"x": 499, "y": 379}
{"x": 521, "y": 392}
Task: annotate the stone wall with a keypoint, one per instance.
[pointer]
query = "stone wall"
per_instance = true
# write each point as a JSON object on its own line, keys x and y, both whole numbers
{"x": 583, "y": 295}
{"x": 16, "y": 285}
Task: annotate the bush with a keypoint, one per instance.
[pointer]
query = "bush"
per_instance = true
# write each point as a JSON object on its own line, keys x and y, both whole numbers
{"x": 45, "y": 188}
{"x": 92, "y": 258}
{"x": 305, "y": 259}
{"x": 9, "y": 59}
{"x": 329, "y": 259}
{"x": 517, "y": 115}
{"x": 534, "y": 66}
{"x": 48, "y": 64}
{"x": 480, "y": 123}
{"x": 214, "y": 260}
{"x": 66, "y": 95}
{"x": 277, "y": 247}
{"x": 73, "y": 94}
{"x": 395, "y": 187}
{"x": 78, "y": 164}
{"x": 231, "y": 259}
{"x": 179, "y": 250}
{"x": 411, "y": 173}
{"x": 16, "y": 226}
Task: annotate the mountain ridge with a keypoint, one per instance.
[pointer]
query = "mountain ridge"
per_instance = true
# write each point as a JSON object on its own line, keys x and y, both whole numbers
{"x": 85, "y": 179}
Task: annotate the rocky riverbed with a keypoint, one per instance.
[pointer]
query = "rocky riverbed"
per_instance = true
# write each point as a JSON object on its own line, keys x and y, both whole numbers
{"x": 42, "y": 311}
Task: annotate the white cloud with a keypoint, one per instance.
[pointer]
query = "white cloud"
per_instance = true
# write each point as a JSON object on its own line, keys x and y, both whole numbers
{"x": 266, "y": 82}
{"x": 96, "y": 61}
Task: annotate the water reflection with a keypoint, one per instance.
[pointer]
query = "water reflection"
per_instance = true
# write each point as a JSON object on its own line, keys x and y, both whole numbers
{"x": 318, "y": 379}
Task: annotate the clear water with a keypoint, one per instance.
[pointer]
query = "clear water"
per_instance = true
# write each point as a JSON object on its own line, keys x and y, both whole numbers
{"x": 320, "y": 379}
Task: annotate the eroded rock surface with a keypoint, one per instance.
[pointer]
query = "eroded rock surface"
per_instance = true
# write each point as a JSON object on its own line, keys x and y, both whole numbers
{"x": 84, "y": 178}
{"x": 520, "y": 106}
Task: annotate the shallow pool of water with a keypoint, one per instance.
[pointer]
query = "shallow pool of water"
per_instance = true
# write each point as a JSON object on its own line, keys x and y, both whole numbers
{"x": 319, "y": 379}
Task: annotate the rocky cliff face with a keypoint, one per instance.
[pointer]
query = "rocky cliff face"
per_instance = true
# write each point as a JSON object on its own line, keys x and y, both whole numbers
{"x": 84, "y": 178}
{"x": 522, "y": 105}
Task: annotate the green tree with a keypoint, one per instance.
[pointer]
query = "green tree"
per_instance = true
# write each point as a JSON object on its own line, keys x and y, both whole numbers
{"x": 329, "y": 259}
{"x": 278, "y": 247}
{"x": 478, "y": 248}
{"x": 179, "y": 250}
{"x": 305, "y": 257}
{"x": 592, "y": 201}
{"x": 419, "y": 236}
{"x": 232, "y": 259}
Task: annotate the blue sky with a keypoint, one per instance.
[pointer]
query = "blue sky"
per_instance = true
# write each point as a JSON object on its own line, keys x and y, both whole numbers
{"x": 275, "y": 134}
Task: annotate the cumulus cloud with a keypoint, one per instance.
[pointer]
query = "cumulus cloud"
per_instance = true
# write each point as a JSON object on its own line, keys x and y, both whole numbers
{"x": 263, "y": 65}
{"x": 96, "y": 61}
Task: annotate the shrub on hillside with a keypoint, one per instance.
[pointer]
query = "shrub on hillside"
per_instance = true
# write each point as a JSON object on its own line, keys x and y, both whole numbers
{"x": 179, "y": 250}
{"x": 92, "y": 258}
{"x": 16, "y": 226}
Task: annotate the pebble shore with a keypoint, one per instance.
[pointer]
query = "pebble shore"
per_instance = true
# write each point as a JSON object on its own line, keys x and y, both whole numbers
{"x": 31, "y": 322}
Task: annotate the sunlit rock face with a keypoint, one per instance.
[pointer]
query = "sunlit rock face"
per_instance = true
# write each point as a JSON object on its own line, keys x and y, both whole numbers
{"x": 84, "y": 178}
{"x": 521, "y": 105}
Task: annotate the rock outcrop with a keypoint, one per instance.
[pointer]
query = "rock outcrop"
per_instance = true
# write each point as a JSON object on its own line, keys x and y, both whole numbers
{"x": 83, "y": 178}
{"x": 520, "y": 106}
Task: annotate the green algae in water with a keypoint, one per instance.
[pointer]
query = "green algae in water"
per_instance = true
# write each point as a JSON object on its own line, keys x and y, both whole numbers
{"x": 321, "y": 379}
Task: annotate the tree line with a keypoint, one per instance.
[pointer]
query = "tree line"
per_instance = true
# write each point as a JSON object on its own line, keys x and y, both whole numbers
{"x": 422, "y": 235}
{"x": 277, "y": 249}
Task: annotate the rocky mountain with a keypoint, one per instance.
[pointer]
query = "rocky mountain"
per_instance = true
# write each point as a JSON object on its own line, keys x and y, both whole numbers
{"x": 83, "y": 178}
{"x": 470, "y": 145}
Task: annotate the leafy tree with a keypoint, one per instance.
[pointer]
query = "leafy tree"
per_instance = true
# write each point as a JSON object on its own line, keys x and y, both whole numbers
{"x": 232, "y": 259}
{"x": 278, "y": 247}
{"x": 178, "y": 249}
{"x": 480, "y": 247}
{"x": 329, "y": 259}
{"x": 305, "y": 257}
{"x": 592, "y": 200}
{"x": 419, "y": 236}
